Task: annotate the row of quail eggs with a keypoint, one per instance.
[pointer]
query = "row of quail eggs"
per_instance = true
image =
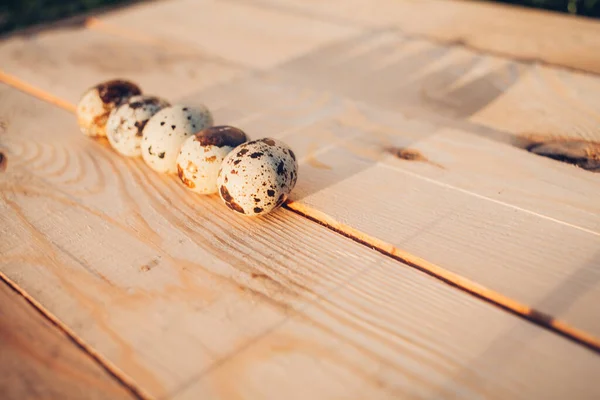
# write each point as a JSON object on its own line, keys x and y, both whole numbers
{"x": 252, "y": 177}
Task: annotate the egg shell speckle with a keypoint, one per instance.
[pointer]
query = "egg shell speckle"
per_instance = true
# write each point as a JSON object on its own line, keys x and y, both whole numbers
{"x": 166, "y": 131}
{"x": 257, "y": 176}
{"x": 201, "y": 156}
{"x": 98, "y": 102}
{"x": 126, "y": 123}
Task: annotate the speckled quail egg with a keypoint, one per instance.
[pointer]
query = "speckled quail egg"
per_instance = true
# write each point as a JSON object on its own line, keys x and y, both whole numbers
{"x": 97, "y": 103}
{"x": 201, "y": 156}
{"x": 257, "y": 176}
{"x": 126, "y": 123}
{"x": 166, "y": 131}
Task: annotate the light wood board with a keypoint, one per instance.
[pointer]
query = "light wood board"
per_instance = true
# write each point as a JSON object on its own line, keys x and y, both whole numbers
{"x": 515, "y": 32}
{"x": 310, "y": 120}
{"x": 180, "y": 286}
{"x": 246, "y": 34}
{"x": 524, "y": 226}
{"x": 177, "y": 296}
{"x": 440, "y": 80}
{"x": 370, "y": 332}
{"x": 444, "y": 82}
{"x": 39, "y": 361}
{"x": 59, "y": 60}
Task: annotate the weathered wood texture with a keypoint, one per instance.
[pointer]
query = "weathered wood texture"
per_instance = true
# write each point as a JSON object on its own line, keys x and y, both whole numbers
{"x": 514, "y": 32}
{"x": 523, "y": 226}
{"x": 445, "y": 80}
{"x": 354, "y": 140}
{"x": 58, "y": 60}
{"x": 180, "y": 287}
{"x": 38, "y": 361}
{"x": 254, "y": 36}
{"x": 393, "y": 131}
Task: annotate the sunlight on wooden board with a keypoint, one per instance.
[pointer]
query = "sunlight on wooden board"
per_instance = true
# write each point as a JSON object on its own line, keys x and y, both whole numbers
{"x": 171, "y": 287}
{"x": 67, "y": 61}
{"x": 519, "y": 33}
{"x": 437, "y": 81}
{"x": 524, "y": 226}
{"x": 37, "y": 360}
{"x": 368, "y": 329}
{"x": 242, "y": 33}
{"x": 130, "y": 259}
{"x": 547, "y": 101}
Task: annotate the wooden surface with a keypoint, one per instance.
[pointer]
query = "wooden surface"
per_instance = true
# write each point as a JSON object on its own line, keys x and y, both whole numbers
{"x": 425, "y": 253}
{"x": 514, "y": 32}
{"x": 37, "y": 360}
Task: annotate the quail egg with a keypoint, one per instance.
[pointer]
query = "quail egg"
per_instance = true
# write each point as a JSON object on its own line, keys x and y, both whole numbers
{"x": 126, "y": 123}
{"x": 257, "y": 176}
{"x": 166, "y": 131}
{"x": 97, "y": 103}
{"x": 201, "y": 156}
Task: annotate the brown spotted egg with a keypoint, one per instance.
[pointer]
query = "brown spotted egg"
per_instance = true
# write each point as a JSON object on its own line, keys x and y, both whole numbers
{"x": 166, "y": 131}
{"x": 257, "y": 176}
{"x": 126, "y": 123}
{"x": 98, "y": 102}
{"x": 201, "y": 156}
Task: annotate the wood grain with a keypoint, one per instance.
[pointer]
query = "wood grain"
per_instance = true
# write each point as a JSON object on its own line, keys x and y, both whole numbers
{"x": 499, "y": 97}
{"x": 510, "y": 223}
{"x": 178, "y": 296}
{"x": 252, "y": 36}
{"x": 515, "y": 32}
{"x": 433, "y": 80}
{"x": 362, "y": 341}
{"x": 251, "y": 106}
{"x": 169, "y": 286}
{"x": 38, "y": 361}
{"x": 66, "y": 61}
{"x": 441, "y": 80}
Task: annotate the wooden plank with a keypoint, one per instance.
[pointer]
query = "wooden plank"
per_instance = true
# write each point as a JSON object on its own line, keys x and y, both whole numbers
{"x": 168, "y": 285}
{"x": 242, "y": 33}
{"x": 127, "y": 259}
{"x": 66, "y": 61}
{"x": 586, "y": 217}
{"x": 363, "y": 342}
{"x": 499, "y": 97}
{"x": 515, "y": 32}
{"x": 37, "y": 360}
{"x": 510, "y": 223}
{"x": 430, "y": 79}
{"x": 547, "y": 102}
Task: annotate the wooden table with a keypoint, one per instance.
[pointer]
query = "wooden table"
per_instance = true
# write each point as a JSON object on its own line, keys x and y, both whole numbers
{"x": 433, "y": 248}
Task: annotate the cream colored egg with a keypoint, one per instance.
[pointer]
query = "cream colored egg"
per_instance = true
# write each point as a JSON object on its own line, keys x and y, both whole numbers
{"x": 166, "y": 131}
{"x": 98, "y": 102}
{"x": 201, "y": 156}
{"x": 126, "y": 123}
{"x": 257, "y": 176}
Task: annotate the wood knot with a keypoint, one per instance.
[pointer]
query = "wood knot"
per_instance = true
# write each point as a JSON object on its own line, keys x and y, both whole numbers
{"x": 3, "y": 162}
{"x": 583, "y": 153}
{"x": 408, "y": 154}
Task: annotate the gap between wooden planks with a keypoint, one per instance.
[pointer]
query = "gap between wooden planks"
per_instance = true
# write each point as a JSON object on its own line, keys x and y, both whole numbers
{"x": 467, "y": 285}
{"x": 87, "y": 385}
{"x": 328, "y": 77}
{"x": 407, "y": 342}
{"x": 530, "y": 204}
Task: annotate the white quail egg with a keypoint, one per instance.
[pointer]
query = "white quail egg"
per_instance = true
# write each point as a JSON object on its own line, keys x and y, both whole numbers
{"x": 166, "y": 131}
{"x": 126, "y": 123}
{"x": 201, "y": 156}
{"x": 97, "y": 103}
{"x": 257, "y": 176}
